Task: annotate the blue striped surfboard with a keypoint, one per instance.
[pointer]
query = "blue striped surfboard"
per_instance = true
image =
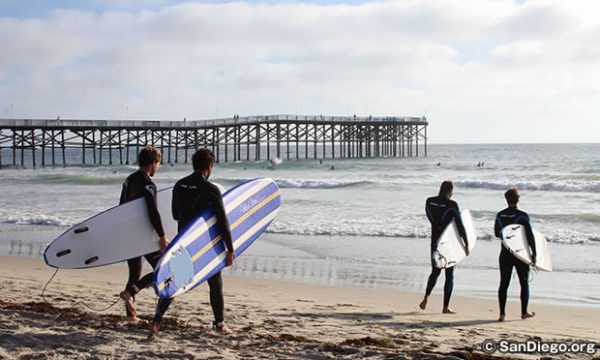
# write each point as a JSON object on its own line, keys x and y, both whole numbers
{"x": 197, "y": 252}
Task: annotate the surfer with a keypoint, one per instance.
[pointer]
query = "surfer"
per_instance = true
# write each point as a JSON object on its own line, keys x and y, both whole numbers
{"x": 137, "y": 185}
{"x": 440, "y": 211}
{"x": 512, "y": 215}
{"x": 192, "y": 195}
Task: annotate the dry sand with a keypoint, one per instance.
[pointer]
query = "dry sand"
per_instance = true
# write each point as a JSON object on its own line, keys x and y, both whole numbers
{"x": 271, "y": 320}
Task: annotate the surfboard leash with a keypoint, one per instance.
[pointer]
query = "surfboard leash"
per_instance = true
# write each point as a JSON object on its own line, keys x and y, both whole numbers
{"x": 81, "y": 302}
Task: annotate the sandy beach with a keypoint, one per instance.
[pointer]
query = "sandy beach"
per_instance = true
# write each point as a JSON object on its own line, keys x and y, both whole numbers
{"x": 271, "y": 320}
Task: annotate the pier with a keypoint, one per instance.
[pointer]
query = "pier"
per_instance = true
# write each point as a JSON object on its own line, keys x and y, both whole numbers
{"x": 42, "y": 142}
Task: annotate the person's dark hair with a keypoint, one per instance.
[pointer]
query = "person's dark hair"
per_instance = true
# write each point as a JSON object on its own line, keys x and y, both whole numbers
{"x": 148, "y": 156}
{"x": 512, "y": 196}
{"x": 202, "y": 159}
{"x": 446, "y": 188}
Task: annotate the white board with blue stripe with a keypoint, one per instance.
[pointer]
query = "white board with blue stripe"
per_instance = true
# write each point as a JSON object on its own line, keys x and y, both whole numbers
{"x": 198, "y": 252}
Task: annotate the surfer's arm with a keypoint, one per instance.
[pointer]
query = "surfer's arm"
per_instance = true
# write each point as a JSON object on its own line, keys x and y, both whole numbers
{"x": 222, "y": 221}
{"x": 428, "y": 212}
{"x": 175, "y": 205}
{"x": 498, "y": 227}
{"x": 461, "y": 229}
{"x": 152, "y": 206}
{"x": 530, "y": 238}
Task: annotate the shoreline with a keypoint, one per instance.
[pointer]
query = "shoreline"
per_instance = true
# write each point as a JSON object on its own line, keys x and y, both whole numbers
{"x": 272, "y": 319}
{"x": 276, "y": 257}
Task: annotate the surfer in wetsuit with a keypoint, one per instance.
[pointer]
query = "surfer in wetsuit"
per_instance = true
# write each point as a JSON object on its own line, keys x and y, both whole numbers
{"x": 441, "y": 211}
{"x": 191, "y": 196}
{"x": 138, "y": 185}
{"x": 512, "y": 215}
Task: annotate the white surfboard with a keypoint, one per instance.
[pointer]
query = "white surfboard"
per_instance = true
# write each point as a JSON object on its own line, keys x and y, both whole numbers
{"x": 450, "y": 249}
{"x": 117, "y": 234}
{"x": 515, "y": 240}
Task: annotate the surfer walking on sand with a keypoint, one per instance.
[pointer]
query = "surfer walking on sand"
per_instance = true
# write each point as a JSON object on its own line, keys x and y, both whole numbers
{"x": 137, "y": 185}
{"x": 441, "y": 211}
{"x": 512, "y": 215}
{"x": 191, "y": 196}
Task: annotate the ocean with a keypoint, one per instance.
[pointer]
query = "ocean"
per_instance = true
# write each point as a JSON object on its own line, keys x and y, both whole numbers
{"x": 361, "y": 222}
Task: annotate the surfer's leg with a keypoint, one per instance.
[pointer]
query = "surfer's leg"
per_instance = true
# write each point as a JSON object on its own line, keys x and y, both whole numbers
{"x": 523, "y": 272}
{"x": 146, "y": 280}
{"x": 435, "y": 273}
{"x": 505, "y": 274}
{"x": 161, "y": 308}
{"x": 448, "y": 287}
{"x": 135, "y": 271}
{"x": 217, "y": 302}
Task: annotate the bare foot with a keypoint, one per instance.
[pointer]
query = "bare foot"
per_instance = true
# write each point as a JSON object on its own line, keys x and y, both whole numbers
{"x": 128, "y": 298}
{"x": 423, "y": 304}
{"x": 154, "y": 327}
{"x": 448, "y": 311}
{"x": 223, "y": 330}
{"x": 527, "y": 315}
{"x": 132, "y": 319}
{"x": 502, "y": 317}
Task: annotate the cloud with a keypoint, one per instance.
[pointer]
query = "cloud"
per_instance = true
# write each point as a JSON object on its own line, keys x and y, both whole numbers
{"x": 477, "y": 69}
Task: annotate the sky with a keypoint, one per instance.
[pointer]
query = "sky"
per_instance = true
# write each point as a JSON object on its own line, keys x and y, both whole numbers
{"x": 481, "y": 71}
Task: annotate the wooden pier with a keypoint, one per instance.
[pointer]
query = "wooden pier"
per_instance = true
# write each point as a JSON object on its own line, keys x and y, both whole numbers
{"x": 36, "y": 142}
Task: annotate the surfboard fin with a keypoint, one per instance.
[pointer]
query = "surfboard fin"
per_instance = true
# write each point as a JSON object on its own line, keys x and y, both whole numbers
{"x": 81, "y": 230}
{"x": 91, "y": 260}
{"x": 63, "y": 253}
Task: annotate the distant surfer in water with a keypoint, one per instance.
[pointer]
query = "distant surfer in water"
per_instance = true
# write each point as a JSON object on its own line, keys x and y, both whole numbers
{"x": 512, "y": 215}
{"x": 191, "y": 196}
{"x": 441, "y": 211}
{"x": 137, "y": 185}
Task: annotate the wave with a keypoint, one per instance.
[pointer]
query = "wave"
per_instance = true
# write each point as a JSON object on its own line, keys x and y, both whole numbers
{"x": 306, "y": 183}
{"x": 345, "y": 230}
{"x": 567, "y": 237}
{"x": 81, "y": 179}
{"x": 40, "y": 220}
{"x": 560, "y": 186}
{"x": 569, "y": 218}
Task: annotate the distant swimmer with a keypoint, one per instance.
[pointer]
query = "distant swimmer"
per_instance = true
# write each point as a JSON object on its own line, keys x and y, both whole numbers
{"x": 441, "y": 211}
{"x": 439, "y": 164}
{"x": 332, "y": 167}
{"x": 274, "y": 163}
{"x": 512, "y": 215}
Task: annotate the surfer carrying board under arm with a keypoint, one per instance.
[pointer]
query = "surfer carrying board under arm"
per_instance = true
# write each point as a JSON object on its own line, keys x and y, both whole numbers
{"x": 137, "y": 185}
{"x": 191, "y": 196}
{"x": 509, "y": 216}
{"x": 441, "y": 211}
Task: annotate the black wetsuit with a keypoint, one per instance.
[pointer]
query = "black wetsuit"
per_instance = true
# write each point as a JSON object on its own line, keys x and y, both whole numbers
{"x": 440, "y": 212}
{"x": 507, "y": 261}
{"x": 192, "y": 195}
{"x": 139, "y": 185}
